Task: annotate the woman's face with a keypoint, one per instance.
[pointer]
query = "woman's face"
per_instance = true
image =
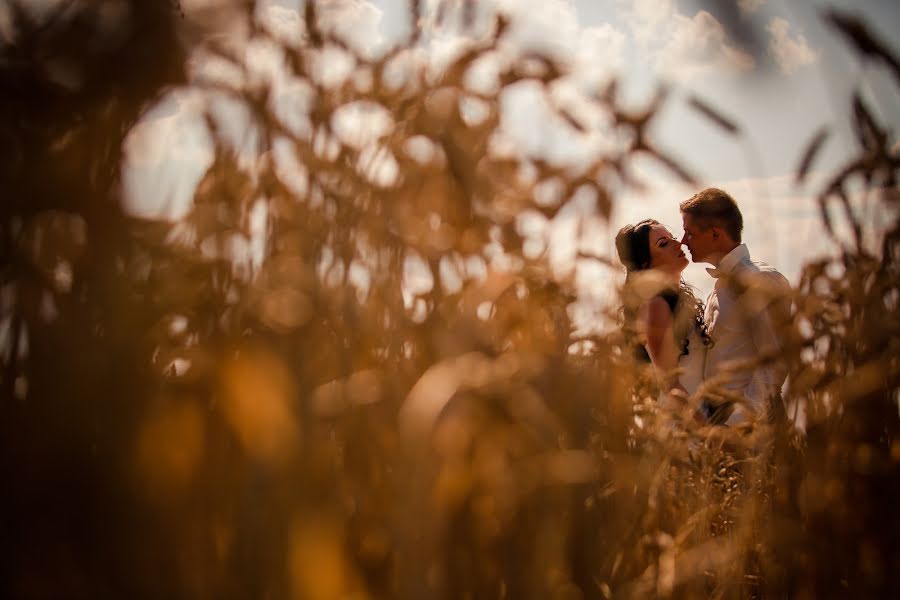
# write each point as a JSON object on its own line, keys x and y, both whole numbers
{"x": 665, "y": 251}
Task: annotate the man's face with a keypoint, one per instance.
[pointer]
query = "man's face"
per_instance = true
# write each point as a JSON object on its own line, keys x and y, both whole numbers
{"x": 698, "y": 241}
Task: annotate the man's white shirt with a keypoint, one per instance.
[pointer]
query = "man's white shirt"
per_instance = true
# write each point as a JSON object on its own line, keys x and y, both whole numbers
{"x": 741, "y": 315}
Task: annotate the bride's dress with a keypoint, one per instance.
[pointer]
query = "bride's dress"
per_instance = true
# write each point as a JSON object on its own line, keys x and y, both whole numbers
{"x": 691, "y": 364}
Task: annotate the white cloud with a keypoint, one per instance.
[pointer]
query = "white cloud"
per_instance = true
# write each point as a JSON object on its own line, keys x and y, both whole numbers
{"x": 358, "y": 22}
{"x": 749, "y": 7}
{"x": 165, "y": 155}
{"x": 284, "y": 24}
{"x": 330, "y": 66}
{"x": 546, "y": 26}
{"x": 443, "y": 49}
{"x": 361, "y": 123}
{"x": 549, "y": 27}
{"x": 172, "y": 129}
{"x": 697, "y": 46}
{"x": 678, "y": 46}
{"x": 552, "y": 27}
{"x": 529, "y": 124}
{"x": 791, "y": 53}
{"x": 601, "y": 49}
{"x": 648, "y": 19}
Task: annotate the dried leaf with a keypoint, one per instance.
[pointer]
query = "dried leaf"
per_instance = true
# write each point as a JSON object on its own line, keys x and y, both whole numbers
{"x": 869, "y": 135}
{"x": 850, "y": 216}
{"x": 311, "y": 17}
{"x": 569, "y": 118}
{"x": 713, "y": 115}
{"x": 675, "y": 167}
{"x": 863, "y": 39}
{"x": 810, "y": 154}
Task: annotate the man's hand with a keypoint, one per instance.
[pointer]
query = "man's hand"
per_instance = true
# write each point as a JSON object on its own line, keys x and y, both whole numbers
{"x": 674, "y": 400}
{"x": 699, "y": 417}
{"x": 722, "y": 437}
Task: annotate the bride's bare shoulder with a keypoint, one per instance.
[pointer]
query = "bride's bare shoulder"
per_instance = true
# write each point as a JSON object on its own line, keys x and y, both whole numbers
{"x": 656, "y": 312}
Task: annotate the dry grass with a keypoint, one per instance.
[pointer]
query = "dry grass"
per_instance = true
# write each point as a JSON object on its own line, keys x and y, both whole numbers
{"x": 336, "y": 440}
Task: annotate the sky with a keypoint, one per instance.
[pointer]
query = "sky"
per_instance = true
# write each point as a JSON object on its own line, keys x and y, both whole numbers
{"x": 793, "y": 78}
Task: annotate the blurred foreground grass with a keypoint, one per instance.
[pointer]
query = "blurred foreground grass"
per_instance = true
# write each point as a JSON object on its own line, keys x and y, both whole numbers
{"x": 181, "y": 421}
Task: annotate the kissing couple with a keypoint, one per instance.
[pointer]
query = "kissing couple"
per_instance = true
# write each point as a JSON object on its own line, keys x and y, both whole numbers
{"x": 719, "y": 360}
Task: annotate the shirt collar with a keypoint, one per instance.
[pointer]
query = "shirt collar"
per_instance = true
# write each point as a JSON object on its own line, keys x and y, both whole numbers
{"x": 730, "y": 261}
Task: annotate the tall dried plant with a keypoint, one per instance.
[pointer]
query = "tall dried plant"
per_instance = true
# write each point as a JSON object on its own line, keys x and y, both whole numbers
{"x": 187, "y": 418}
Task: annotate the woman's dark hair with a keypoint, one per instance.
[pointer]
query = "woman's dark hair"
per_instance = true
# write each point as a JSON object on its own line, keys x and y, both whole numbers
{"x": 633, "y": 245}
{"x": 633, "y": 248}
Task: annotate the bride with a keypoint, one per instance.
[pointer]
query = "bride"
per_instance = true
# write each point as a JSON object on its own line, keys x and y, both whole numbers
{"x": 663, "y": 317}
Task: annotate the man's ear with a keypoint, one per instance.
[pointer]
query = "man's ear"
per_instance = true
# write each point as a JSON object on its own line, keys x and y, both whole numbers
{"x": 715, "y": 233}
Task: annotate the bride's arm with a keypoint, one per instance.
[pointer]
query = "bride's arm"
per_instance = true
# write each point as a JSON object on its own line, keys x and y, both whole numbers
{"x": 661, "y": 346}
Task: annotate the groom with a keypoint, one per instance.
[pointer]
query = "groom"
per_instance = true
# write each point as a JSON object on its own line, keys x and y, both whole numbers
{"x": 744, "y": 314}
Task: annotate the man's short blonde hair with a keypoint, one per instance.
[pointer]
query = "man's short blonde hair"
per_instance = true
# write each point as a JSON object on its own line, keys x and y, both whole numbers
{"x": 715, "y": 207}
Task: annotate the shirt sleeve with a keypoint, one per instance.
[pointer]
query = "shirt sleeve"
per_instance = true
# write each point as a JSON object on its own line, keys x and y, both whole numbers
{"x": 766, "y": 308}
